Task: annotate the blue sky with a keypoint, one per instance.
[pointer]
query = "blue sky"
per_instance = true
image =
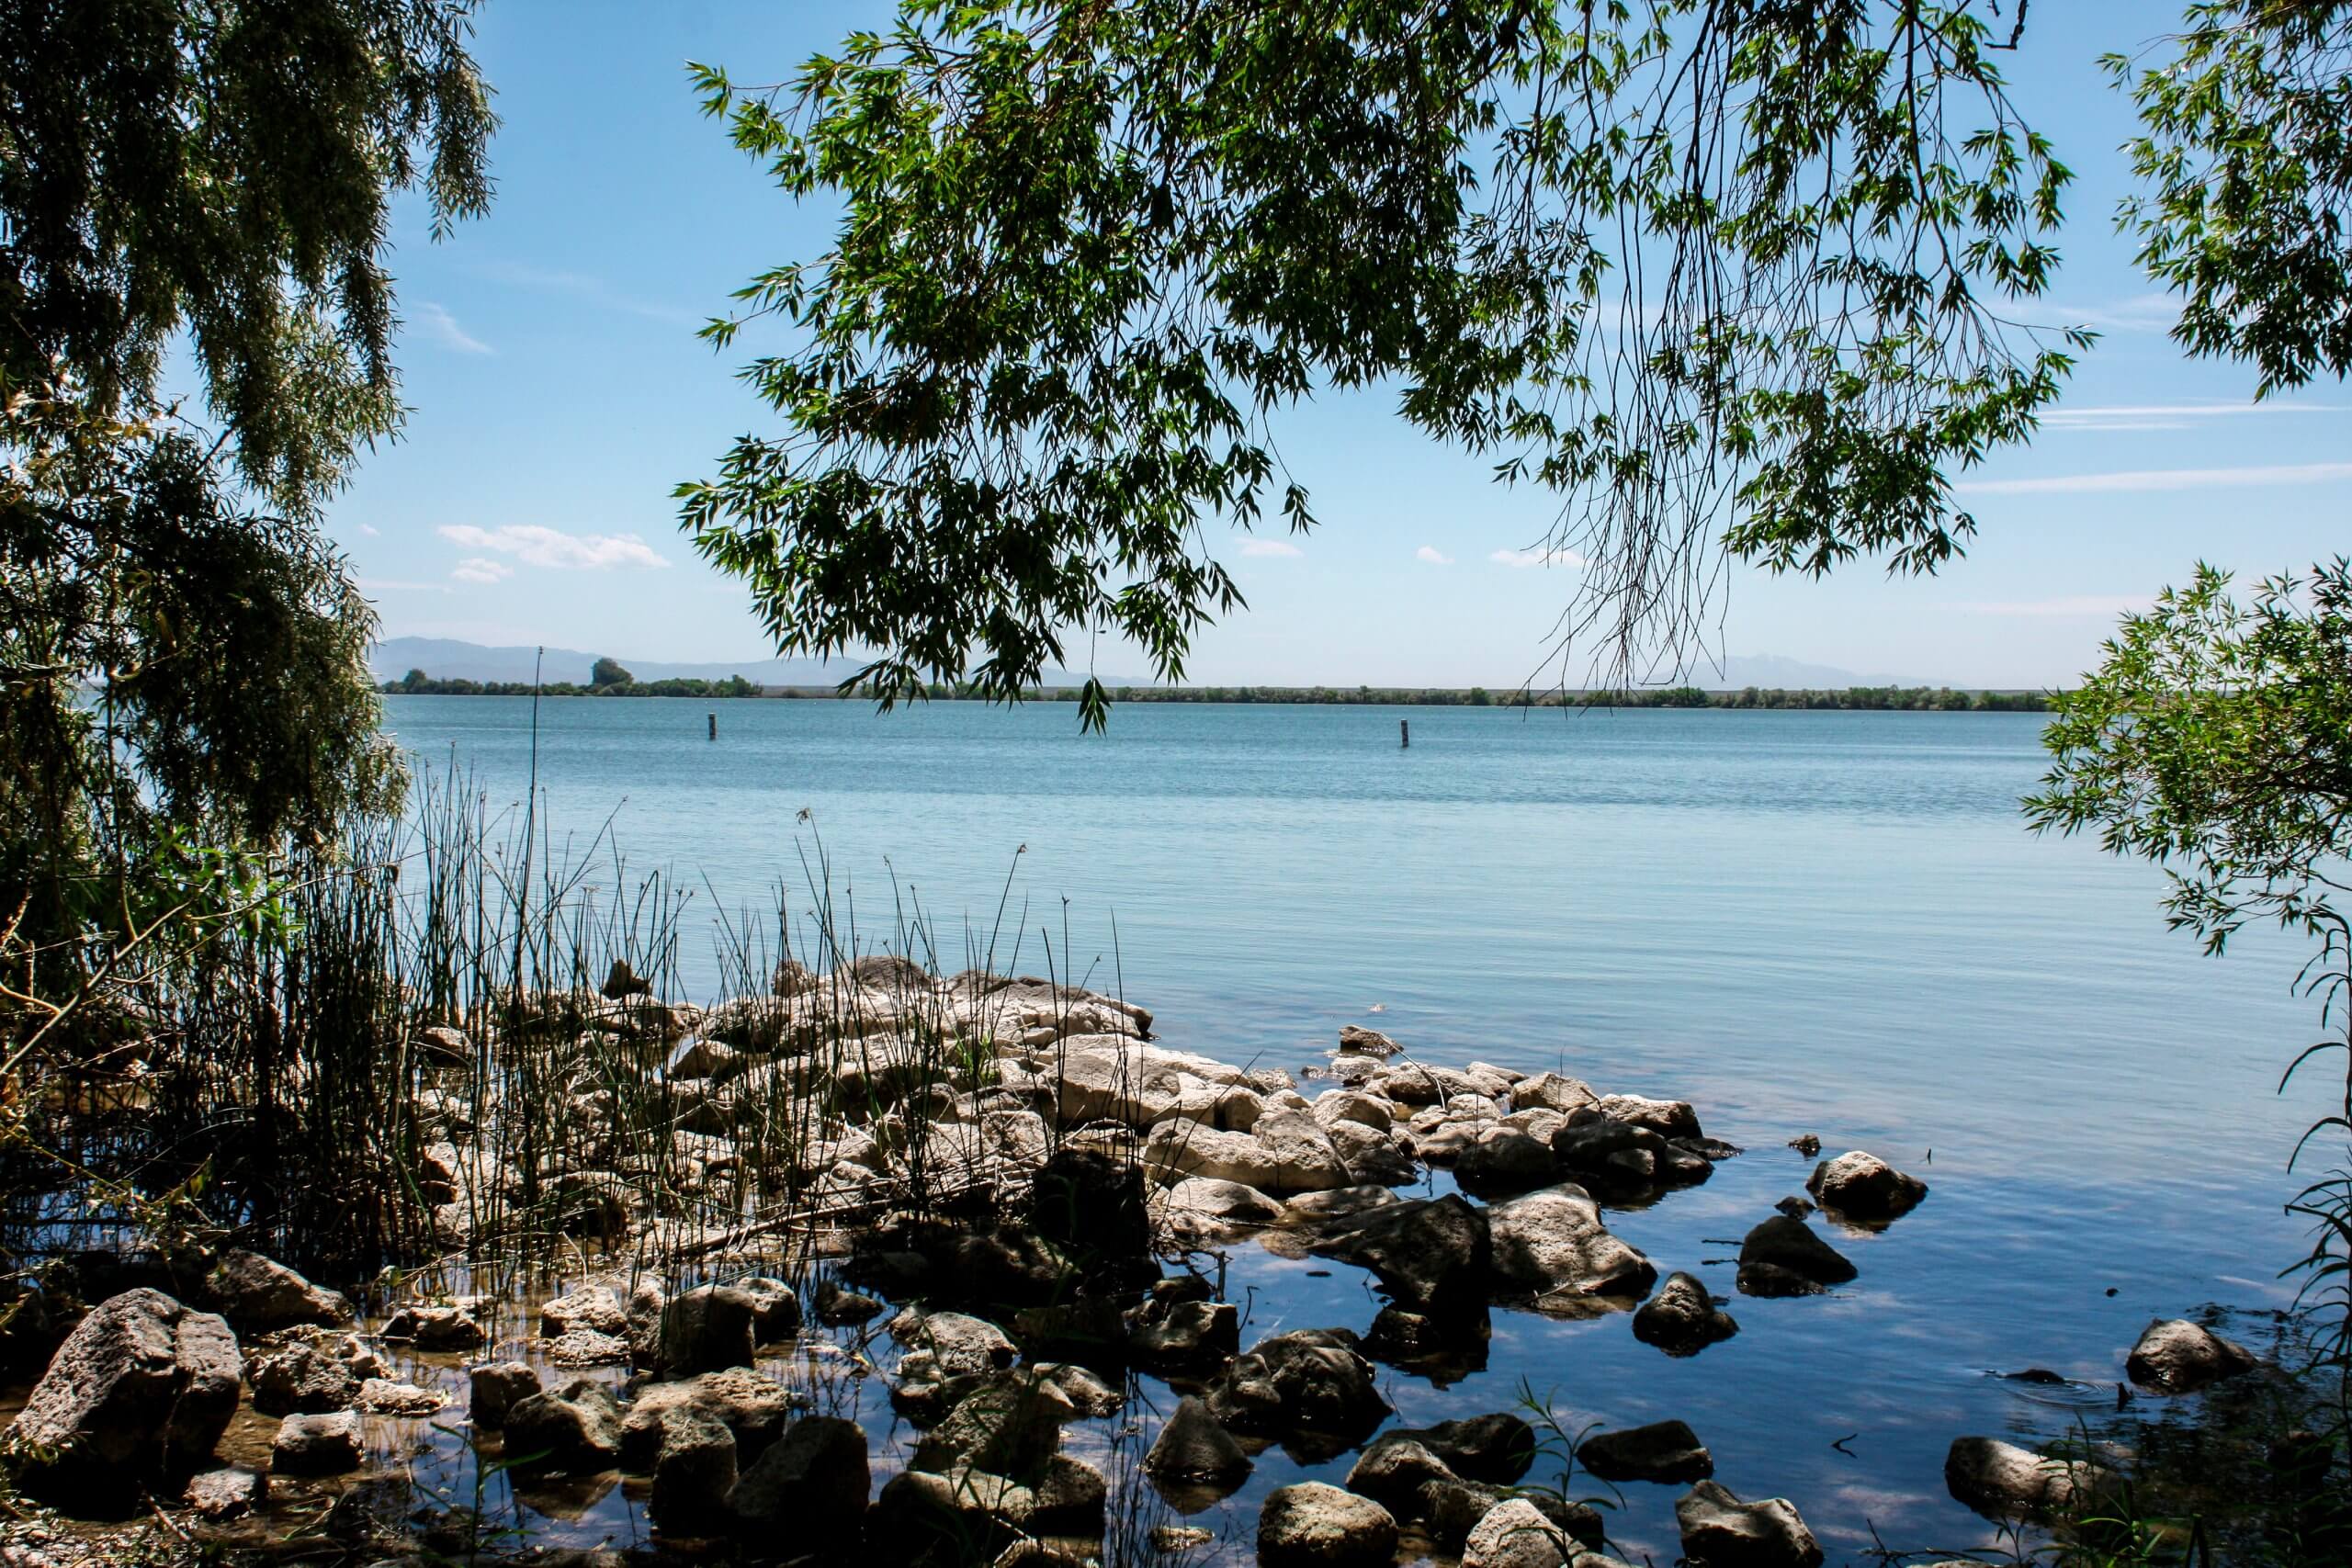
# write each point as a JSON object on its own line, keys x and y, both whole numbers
{"x": 559, "y": 393}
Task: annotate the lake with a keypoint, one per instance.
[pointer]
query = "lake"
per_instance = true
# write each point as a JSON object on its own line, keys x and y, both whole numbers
{"x": 1803, "y": 923}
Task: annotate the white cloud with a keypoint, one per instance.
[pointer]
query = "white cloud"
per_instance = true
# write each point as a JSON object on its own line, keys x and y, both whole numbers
{"x": 443, "y": 328}
{"x": 1429, "y": 554}
{"x": 2085, "y": 606}
{"x": 399, "y": 586}
{"x": 537, "y": 546}
{"x": 594, "y": 290}
{"x": 1270, "y": 547}
{"x": 371, "y": 530}
{"x": 480, "y": 569}
{"x": 1545, "y": 557}
{"x": 2170, "y": 416}
{"x": 2145, "y": 480}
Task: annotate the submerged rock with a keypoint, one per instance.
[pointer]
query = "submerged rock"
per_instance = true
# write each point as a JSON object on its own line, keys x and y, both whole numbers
{"x": 1783, "y": 1257}
{"x": 1721, "y": 1531}
{"x": 754, "y": 1408}
{"x": 811, "y": 1485}
{"x": 301, "y": 1379}
{"x": 256, "y": 1294}
{"x": 440, "y": 1326}
{"x": 1682, "y": 1318}
{"x": 708, "y": 1329}
{"x": 2002, "y": 1481}
{"x": 1193, "y": 1448}
{"x": 1311, "y": 1525}
{"x": 1663, "y": 1451}
{"x": 955, "y": 1342}
{"x": 1310, "y": 1388}
{"x": 575, "y": 1430}
{"x": 1553, "y": 1245}
{"x": 141, "y": 1386}
{"x": 317, "y": 1445}
{"x": 228, "y": 1493}
{"x": 1514, "y": 1533}
{"x": 2175, "y": 1356}
{"x": 1865, "y": 1188}
{"x": 837, "y": 1307}
{"x": 595, "y": 1309}
{"x": 1432, "y": 1255}
{"x": 496, "y": 1387}
{"x": 694, "y": 1472}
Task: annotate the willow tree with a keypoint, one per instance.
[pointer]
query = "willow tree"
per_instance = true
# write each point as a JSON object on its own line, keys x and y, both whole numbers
{"x": 1726, "y": 277}
{"x": 181, "y": 655}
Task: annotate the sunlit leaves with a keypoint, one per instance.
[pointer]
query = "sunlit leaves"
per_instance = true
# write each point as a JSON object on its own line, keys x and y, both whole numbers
{"x": 1721, "y": 274}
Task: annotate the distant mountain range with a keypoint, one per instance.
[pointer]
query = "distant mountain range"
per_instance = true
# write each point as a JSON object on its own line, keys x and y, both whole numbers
{"x": 448, "y": 659}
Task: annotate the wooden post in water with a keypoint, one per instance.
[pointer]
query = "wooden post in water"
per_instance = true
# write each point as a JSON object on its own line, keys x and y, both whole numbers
{"x": 1405, "y": 734}
{"x": 714, "y": 726}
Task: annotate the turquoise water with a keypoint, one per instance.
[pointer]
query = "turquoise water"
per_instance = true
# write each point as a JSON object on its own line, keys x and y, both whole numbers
{"x": 1802, "y": 922}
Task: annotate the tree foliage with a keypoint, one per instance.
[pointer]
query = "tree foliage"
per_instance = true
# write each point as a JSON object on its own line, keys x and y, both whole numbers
{"x": 1713, "y": 272}
{"x": 2247, "y": 164}
{"x": 2215, "y": 738}
{"x": 181, "y": 655}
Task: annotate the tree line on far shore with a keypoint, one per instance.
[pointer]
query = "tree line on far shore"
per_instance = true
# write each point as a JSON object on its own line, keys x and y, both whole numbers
{"x": 1910, "y": 699}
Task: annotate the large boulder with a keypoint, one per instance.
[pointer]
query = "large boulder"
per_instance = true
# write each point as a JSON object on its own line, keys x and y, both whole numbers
{"x": 707, "y": 1330}
{"x": 1783, "y": 1257}
{"x": 1193, "y": 1449}
{"x": 1682, "y": 1318}
{"x": 142, "y": 1386}
{"x": 968, "y": 1515}
{"x": 1663, "y": 1451}
{"x": 1311, "y": 1389}
{"x": 1668, "y": 1118}
{"x": 1864, "y": 1188}
{"x": 810, "y": 1485}
{"x": 1721, "y": 1531}
{"x": 1181, "y": 1332}
{"x": 1552, "y": 1091}
{"x": 1312, "y": 1525}
{"x": 1433, "y": 1255}
{"x": 575, "y": 1430}
{"x": 317, "y": 1445}
{"x": 2002, "y": 1481}
{"x": 1551, "y": 1245}
{"x": 2175, "y": 1356}
{"x": 257, "y": 1294}
{"x": 441, "y": 1325}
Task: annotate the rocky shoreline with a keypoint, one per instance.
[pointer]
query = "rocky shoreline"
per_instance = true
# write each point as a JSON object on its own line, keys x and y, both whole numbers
{"x": 1010, "y": 1197}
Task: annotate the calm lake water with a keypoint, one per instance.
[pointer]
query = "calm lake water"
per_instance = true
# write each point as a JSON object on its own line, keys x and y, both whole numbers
{"x": 1823, "y": 922}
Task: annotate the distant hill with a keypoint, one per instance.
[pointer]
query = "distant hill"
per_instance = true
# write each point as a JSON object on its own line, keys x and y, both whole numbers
{"x": 448, "y": 659}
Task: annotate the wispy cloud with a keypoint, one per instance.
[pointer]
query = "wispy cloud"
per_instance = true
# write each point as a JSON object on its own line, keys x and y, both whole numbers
{"x": 2145, "y": 479}
{"x": 537, "y": 546}
{"x": 480, "y": 569}
{"x": 443, "y": 328}
{"x": 398, "y": 585}
{"x": 2172, "y": 416}
{"x": 2068, "y": 606}
{"x": 371, "y": 530}
{"x": 2152, "y": 312}
{"x": 1430, "y": 554}
{"x": 1547, "y": 556}
{"x": 593, "y": 289}
{"x": 1283, "y": 547}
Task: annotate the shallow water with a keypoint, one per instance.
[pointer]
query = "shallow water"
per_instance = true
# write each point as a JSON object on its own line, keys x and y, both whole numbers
{"x": 1802, "y": 922}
